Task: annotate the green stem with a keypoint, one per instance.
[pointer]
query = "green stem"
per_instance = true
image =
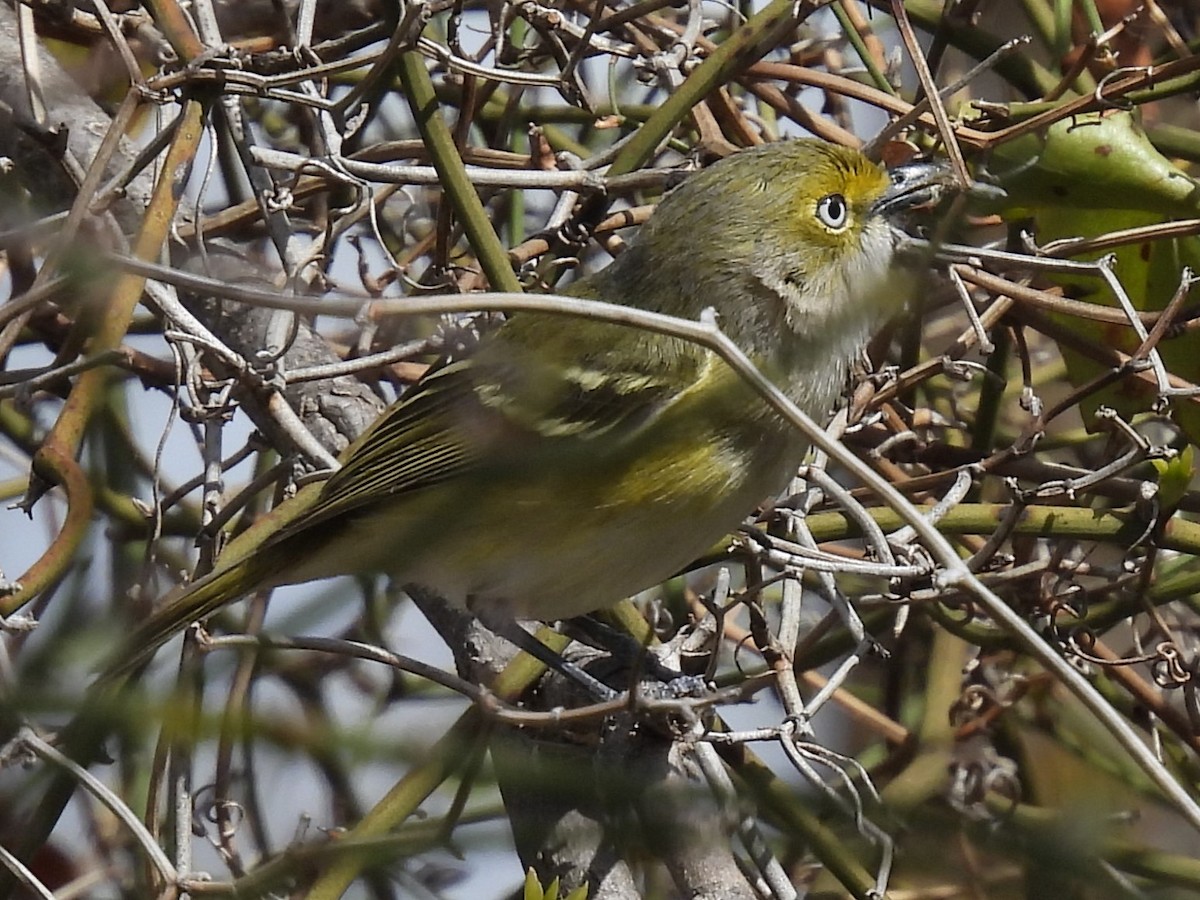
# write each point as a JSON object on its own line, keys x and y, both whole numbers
{"x": 743, "y": 47}
{"x": 1018, "y": 69}
{"x": 452, "y": 173}
{"x": 991, "y": 393}
{"x": 860, "y": 47}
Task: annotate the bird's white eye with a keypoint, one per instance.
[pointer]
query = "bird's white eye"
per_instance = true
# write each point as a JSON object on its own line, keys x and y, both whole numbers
{"x": 833, "y": 212}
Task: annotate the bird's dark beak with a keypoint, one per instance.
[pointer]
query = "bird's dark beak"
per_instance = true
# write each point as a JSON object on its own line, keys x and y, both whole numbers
{"x": 914, "y": 184}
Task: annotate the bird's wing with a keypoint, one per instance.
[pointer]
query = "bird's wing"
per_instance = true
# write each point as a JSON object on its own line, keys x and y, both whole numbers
{"x": 526, "y": 385}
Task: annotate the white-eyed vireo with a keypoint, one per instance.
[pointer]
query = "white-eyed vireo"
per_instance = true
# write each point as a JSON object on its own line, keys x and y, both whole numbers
{"x": 567, "y": 463}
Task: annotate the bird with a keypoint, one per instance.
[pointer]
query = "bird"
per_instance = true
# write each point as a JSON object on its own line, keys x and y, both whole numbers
{"x": 564, "y": 464}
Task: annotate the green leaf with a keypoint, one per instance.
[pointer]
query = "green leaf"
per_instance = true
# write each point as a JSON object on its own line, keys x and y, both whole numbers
{"x": 533, "y": 887}
{"x": 1089, "y": 176}
{"x": 534, "y": 890}
{"x": 1093, "y": 161}
{"x": 1175, "y": 476}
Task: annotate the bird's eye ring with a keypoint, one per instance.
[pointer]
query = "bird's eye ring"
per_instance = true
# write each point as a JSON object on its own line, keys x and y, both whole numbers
{"x": 833, "y": 212}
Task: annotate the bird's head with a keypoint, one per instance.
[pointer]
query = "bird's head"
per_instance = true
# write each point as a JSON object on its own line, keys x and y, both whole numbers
{"x": 786, "y": 239}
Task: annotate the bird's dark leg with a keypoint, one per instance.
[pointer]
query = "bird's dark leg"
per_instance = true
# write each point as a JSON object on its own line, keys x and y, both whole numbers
{"x": 508, "y": 628}
{"x": 627, "y": 650}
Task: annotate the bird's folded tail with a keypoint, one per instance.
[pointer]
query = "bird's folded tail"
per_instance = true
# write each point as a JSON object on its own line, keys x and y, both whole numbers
{"x": 189, "y": 604}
